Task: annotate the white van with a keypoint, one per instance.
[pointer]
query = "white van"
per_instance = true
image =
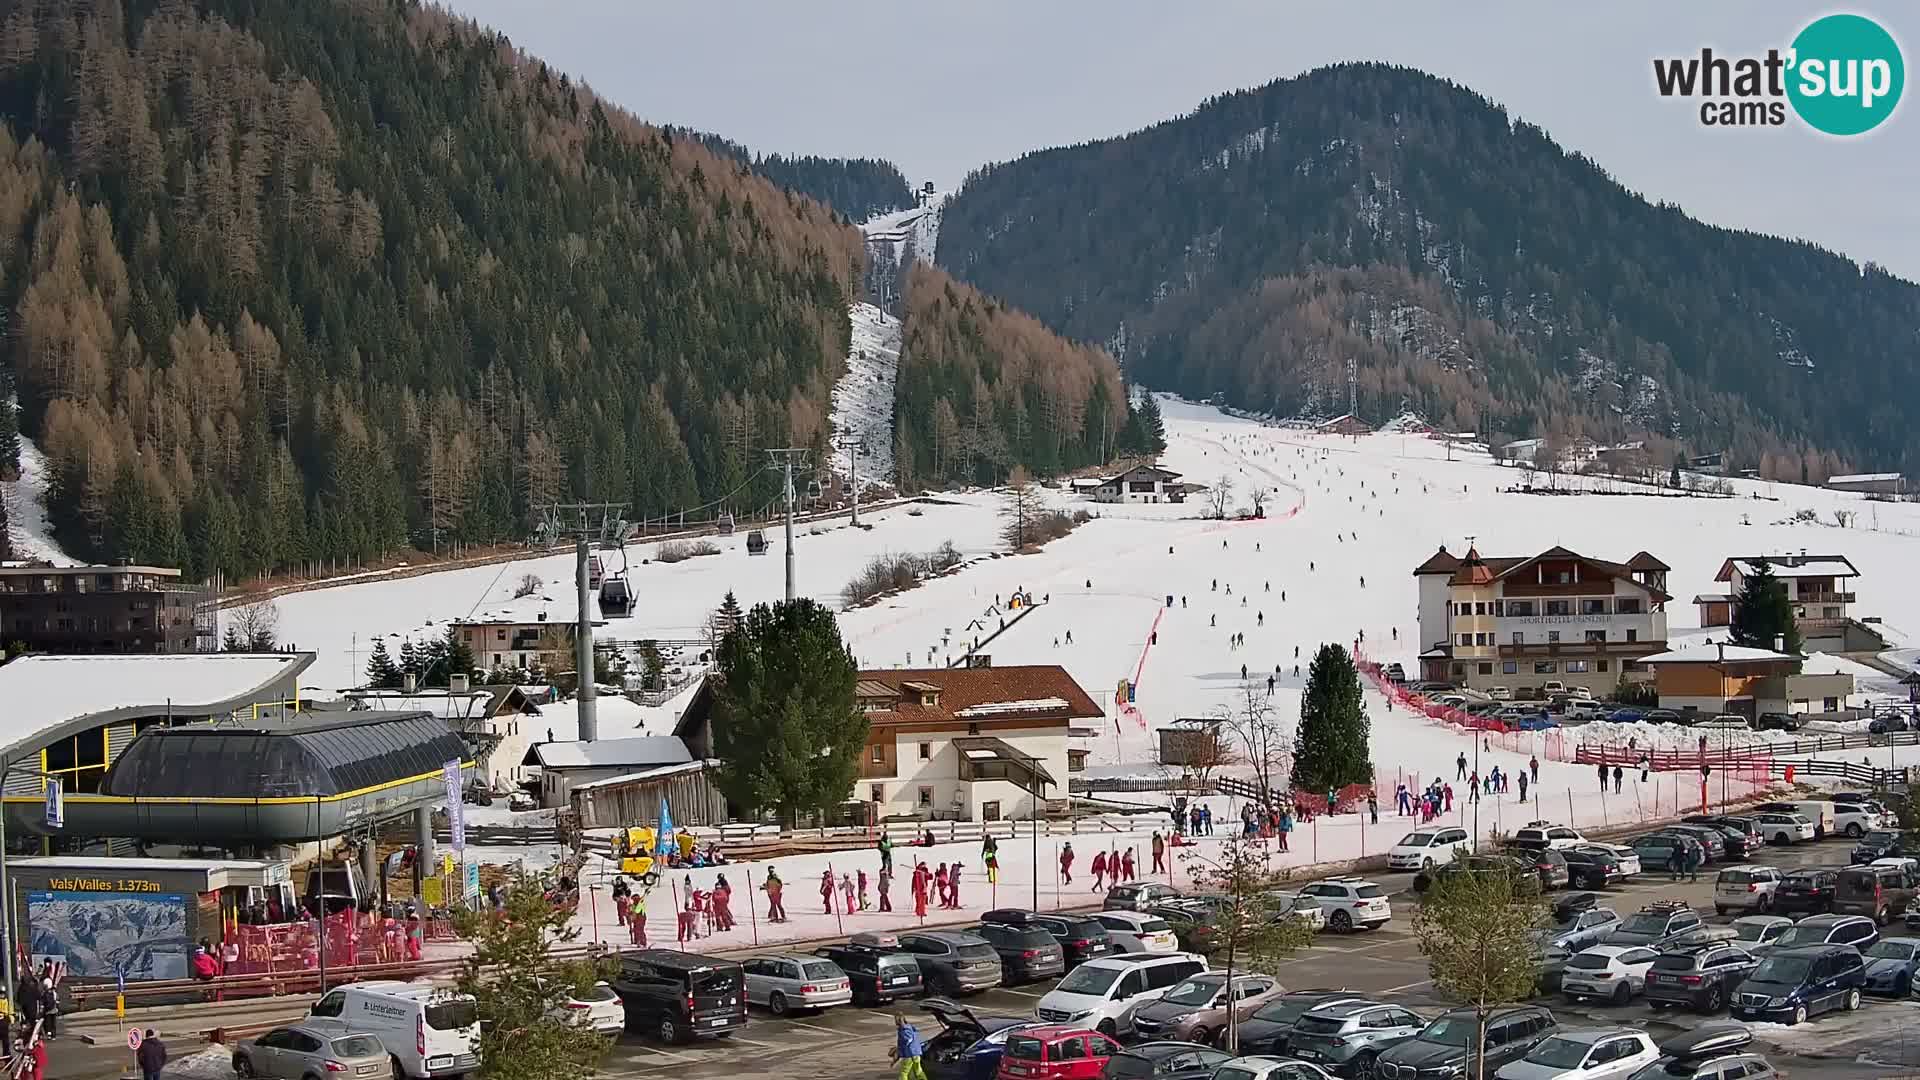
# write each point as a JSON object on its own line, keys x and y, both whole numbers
{"x": 1818, "y": 811}
{"x": 1100, "y": 991}
{"x": 429, "y": 1032}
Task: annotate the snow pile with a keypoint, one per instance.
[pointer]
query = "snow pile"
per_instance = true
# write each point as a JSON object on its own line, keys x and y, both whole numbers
{"x": 26, "y": 500}
{"x": 1045, "y": 704}
{"x": 1675, "y": 737}
{"x": 863, "y": 400}
{"x": 212, "y": 1063}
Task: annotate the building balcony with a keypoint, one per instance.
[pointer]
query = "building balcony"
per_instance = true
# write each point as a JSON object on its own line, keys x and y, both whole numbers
{"x": 1824, "y": 598}
{"x": 878, "y": 770}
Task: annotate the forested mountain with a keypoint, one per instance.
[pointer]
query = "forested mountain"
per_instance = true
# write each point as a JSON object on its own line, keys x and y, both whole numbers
{"x": 1472, "y": 268}
{"x": 314, "y": 279}
{"x": 983, "y": 387}
{"x": 857, "y": 187}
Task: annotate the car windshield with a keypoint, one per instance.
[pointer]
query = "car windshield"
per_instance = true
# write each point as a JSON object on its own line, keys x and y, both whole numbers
{"x": 821, "y": 970}
{"x": 452, "y": 1015}
{"x": 1560, "y": 1052}
{"x": 1782, "y": 969}
{"x": 1645, "y": 924}
{"x": 1449, "y": 1031}
{"x": 1892, "y": 950}
{"x": 356, "y": 1046}
{"x": 1089, "y": 979}
{"x": 1752, "y": 931}
{"x": 1193, "y": 992}
{"x": 1591, "y": 961}
{"x": 1416, "y": 839}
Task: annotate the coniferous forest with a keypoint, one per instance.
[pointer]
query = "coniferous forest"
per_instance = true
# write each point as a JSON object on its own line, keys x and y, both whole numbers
{"x": 858, "y": 188}
{"x": 311, "y": 281}
{"x": 1473, "y": 270}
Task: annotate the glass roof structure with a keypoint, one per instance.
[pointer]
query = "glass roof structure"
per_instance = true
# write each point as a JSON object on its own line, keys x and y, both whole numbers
{"x": 306, "y": 756}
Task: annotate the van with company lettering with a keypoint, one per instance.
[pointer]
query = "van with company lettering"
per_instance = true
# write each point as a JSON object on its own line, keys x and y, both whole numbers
{"x": 429, "y": 1033}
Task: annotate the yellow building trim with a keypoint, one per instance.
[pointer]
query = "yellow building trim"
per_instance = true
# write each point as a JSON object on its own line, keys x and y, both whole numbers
{"x": 274, "y": 800}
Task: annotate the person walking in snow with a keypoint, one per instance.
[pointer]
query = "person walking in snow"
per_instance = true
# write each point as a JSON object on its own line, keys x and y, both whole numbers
{"x": 1286, "y": 828}
{"x": 886, "y": 853}
{"x": 1243, "y": 673}
{"x": 953, "y": 886}
{"x": 862, "y": 882}
{"x": 990, "y": 855}
{"x": 1159, "y": 853}
{"x": 1533, "y": 766}
{"x": 846, "y": 889}
{"x": 1126, "y": 865}
{"x": 920, "y": 880}
{"x": 774, "y": 888}
{"x": 940, "y": 885}
{"x": 1069, "y": 636}
{"x": 637, "y": 919}
{"x": 826, "y": 892}
{"x": 1066, "y": 863}
{"x": 1523, "y": 787}
{"x": 1269, "y": 686}
{"x": 1373, "y": 808}
{"x": 1603, "y": 778}
{"x": 884, "y": 882}
{"x": 1099, "y": 870}
{"x": 1618, "y": 776}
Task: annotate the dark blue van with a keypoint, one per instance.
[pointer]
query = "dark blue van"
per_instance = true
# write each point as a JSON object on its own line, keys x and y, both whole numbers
{"x": 1792, "y": 984}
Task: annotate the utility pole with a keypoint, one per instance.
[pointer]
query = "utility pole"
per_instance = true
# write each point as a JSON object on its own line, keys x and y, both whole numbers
{"x": 853, "y": 477}
{"x": 591, "y": 522}
{"x": 784, "y": 458}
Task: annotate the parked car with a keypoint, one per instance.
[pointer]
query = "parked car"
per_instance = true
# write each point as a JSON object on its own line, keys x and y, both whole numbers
{"x": 1856, "y": 819}
{"x": 1723, "y": 722}
{"x": 680, "y": 996}
{"x": 1081, "y": 938}
{"x": 1192, "y": 931}
{"x": 1056, "y": 1052}
{"x": 1579, "y": 929}
{"x": 1628, "y": 715}
{"x": 1738, "y": 840}
{"x": 783, "y": 982}
{"x": 953, "y": 962}
{"x": 1855, "y": 930}
{"x": 1196, "y": 1010}
{"x": 1665, "y": 716}
{"x": 1426, "y": 848}
{"x": 969, "y": 1045}
{"x": 1886, "y": 724}
{"x": 1612, "y": 972}
{"x": 1260, "y": 1067}
{"x": 1137, "y": 931}
{"x": 597, "y": 1007}
{"x": 1164, "y": 1061}
{"x": 1026, "y": 952}
{"x": 1777, "y": 721}
{"x": 1551, "y": 867}
{"x": 1657, "y": 925}
{"x": 1753, "y": 931}
{"x": 1590, "y": 866}
{"x": 1747, "y": 887}
{"x": 1585, "y": 709}
{"x": 1784, "y": 827}
{"x": 1271, "y": 1027}
{"x": 1606, "y": 1054}
{"x": 1890, "y": 965}
{"x": 1806, "y": 891}
{"x": 1700, "y": 977}
{"x": 1445, "y": 1047}
{"x": 299, "y": 1052}
{"x": 1878, "y": 892}
{"x": 1499, "y": 693}
{"x": 1295, "y": 905}
{"x": 1709, "y": 1052}
{"x": 1348, "y": 1039}
{"x": 1656, "y": 849}
{"x": 1711, "y": 840}
{"x": 1138, "y": 895}
{"x": 1351, "y": 903}
{"x": 1098, "y": 992}
{"x": 1883, "y": 844}
{"x": 1792, "y": 984}
{"x": 1394, "y": 673}
{"x": 1518, "y": 864}
{"x": 877, "y": 972}
{"x": 1818, "y": 812}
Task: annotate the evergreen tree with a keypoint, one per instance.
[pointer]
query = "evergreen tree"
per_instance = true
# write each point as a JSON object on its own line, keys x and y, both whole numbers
{"x": 528, "y": 1035}
{"x": 1673, "y": 480}
{"x": 784, "y": 724}
{"x": 1153, "y": 426}
{"x": 411, "y": 662}
{"x": 457, "y": 658}
{"x": 9, "y": 430}
{"x": 231, "y": 641}
{"x": 1763, "y": 612}
{"x": 1331, "y": 748}
{"x": 382, "y": 672}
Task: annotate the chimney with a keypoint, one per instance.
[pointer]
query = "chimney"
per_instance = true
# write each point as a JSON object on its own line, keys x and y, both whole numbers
{"x": 457, "y": 683}
{"x": 409, "y": 682}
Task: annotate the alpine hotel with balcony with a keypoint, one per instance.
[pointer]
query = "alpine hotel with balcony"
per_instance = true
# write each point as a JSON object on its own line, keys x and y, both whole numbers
{"x": 1556, "y": 616}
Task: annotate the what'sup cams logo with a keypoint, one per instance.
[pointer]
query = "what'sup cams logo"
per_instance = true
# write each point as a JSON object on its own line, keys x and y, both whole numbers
{"x": 1842, "y": 75}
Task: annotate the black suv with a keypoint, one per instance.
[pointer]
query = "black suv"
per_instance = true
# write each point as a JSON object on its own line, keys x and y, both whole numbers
{"x": 1701, "y": 978}
{"x": 680, "y": 996}
{"x": 1807, "y": 891}
{"x": 1590, "y": 866}
{"x": 1791, "y": 985}
{"x": 1080, "y": 938}
{"x": 1885, "y": 844}
{"x": 1445, "y": 1046}
{"x": 877, "y": 974}
{"x": 1739, "y": 839}
{"x": 1270, "y": 1029}
{"x": 1026, "y": 951}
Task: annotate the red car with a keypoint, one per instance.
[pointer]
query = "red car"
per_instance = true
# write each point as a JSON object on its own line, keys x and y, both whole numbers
{"x": 1055, "y": 1053}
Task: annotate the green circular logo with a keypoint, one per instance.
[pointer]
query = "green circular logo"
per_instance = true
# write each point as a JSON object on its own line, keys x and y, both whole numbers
{"x": 1846, "y": 76}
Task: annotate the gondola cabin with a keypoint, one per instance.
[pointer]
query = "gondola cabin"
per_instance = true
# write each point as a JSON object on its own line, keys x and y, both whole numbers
{"x": 616, "y": 600}
{"x": 756, "y": 543}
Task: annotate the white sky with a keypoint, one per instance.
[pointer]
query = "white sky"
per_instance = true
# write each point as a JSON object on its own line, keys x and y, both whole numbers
{"x": 942, "y": 88}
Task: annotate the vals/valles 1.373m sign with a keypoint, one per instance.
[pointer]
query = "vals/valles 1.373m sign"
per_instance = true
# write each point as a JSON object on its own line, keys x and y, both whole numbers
{"x": 1842, "y": 75}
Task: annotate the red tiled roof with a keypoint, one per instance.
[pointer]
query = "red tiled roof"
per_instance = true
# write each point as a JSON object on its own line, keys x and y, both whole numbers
{"x": 1644, "y": 561}
{"x": 964, "y": 688}
{"x": 1440, "y": 562}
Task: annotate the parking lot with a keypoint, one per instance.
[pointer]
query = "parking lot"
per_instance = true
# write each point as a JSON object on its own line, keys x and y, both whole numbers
{"x": 1881, "y": 1040}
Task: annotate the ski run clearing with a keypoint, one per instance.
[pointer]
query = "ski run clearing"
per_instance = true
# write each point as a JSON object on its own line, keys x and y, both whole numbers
{"x": 1347, "y": 521}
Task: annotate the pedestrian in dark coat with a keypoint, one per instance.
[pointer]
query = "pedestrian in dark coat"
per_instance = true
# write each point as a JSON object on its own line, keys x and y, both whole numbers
{"x": 152, "y": 1056}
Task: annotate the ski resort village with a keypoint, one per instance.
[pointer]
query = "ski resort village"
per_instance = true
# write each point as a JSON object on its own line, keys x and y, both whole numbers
{"x": 1310, "y": 645}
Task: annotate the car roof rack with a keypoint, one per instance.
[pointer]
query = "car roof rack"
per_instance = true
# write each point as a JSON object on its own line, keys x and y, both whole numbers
{"x": 1667, "y": 905}
{"x": 1708, "y": 1040}
{"x": 868, "y": 939}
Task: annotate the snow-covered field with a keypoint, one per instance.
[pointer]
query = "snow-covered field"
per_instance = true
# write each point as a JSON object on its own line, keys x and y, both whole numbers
{"x": 26, "y": 500}
{"x": 1347, "y": 520}
{"x": 863, "y": 399}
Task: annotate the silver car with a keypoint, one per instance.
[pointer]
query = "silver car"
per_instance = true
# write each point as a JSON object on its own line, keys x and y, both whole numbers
{"x": 309, "y": 1053}
{"x": 784, "y": 982}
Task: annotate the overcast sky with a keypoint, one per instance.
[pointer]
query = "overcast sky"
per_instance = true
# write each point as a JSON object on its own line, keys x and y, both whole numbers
{"x": 940, "y": 88}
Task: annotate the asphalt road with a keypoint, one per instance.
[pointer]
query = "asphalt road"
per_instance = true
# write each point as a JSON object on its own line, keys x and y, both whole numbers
{"x": 1880, "y": 1040}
